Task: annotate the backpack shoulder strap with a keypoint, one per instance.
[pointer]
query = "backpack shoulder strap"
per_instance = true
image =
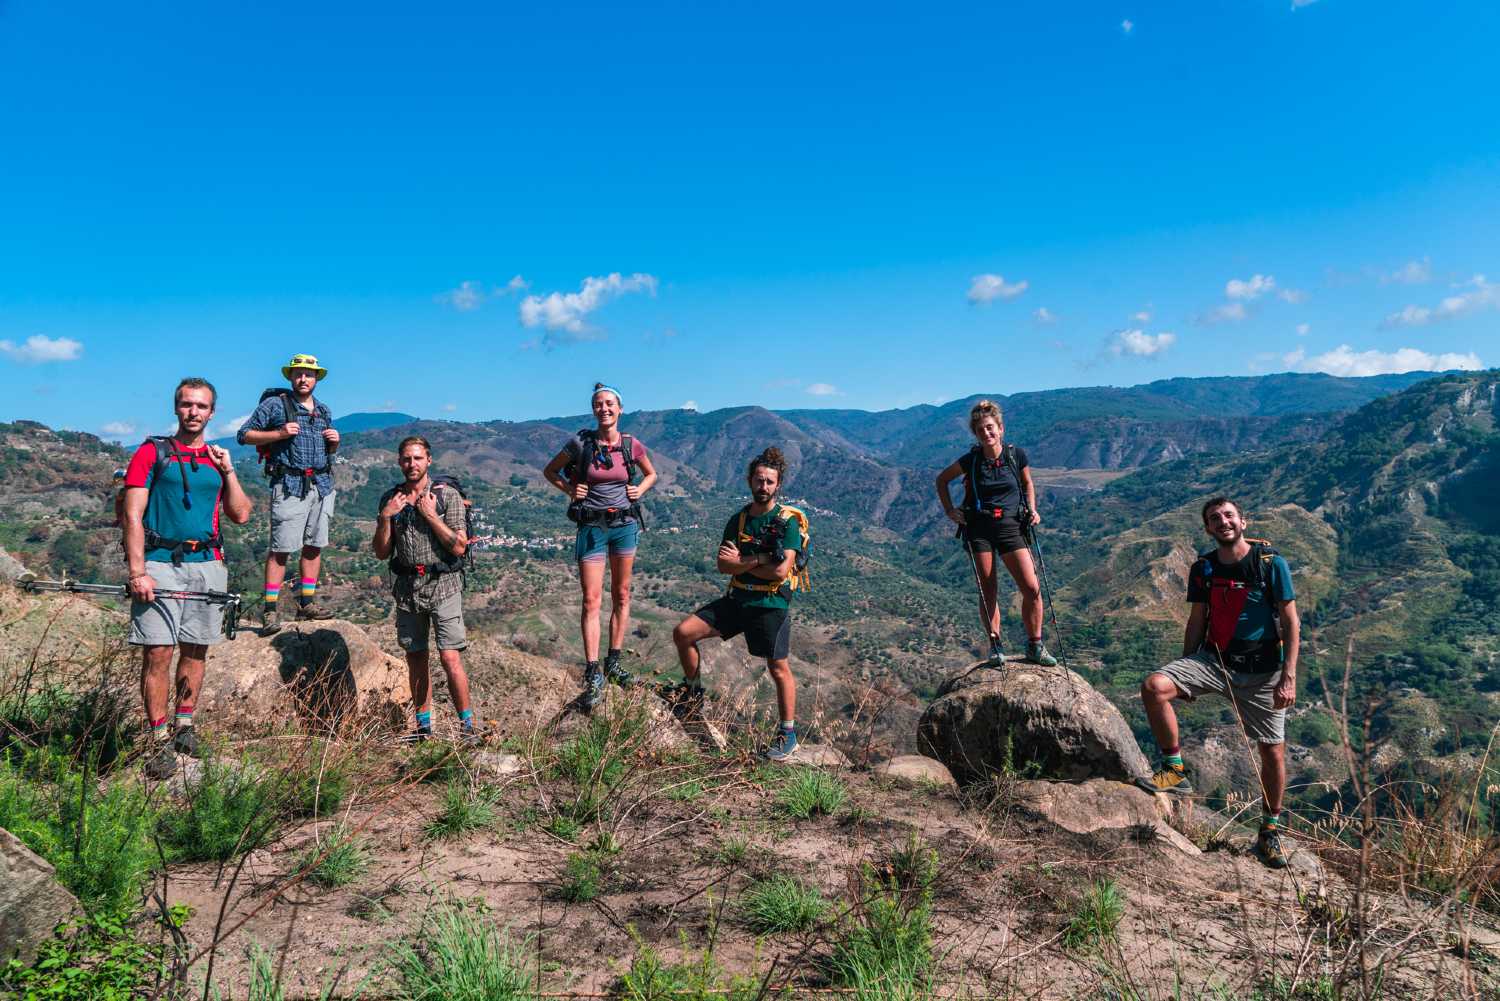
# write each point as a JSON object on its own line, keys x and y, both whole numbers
{"x": 969, "y": 463}
{"x": 627, "y": 452}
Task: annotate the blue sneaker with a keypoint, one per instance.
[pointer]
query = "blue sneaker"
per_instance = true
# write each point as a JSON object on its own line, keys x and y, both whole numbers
{"x": 784, "y": 746}
{"x": 593, "y": 687}
{"x": 997, "y": 653}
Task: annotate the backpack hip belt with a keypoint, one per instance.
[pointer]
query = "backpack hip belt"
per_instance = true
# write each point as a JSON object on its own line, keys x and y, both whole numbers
{"x": 421, "y": 569}
{"x": 181, "y": 547}
{"x": 611, "y": 517}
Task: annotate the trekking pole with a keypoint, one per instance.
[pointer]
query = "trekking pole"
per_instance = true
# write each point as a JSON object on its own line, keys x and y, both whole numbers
{"x": 1041, "y": 566}
{"x": 984, "y": 608}
{"x": 231, "y": 602}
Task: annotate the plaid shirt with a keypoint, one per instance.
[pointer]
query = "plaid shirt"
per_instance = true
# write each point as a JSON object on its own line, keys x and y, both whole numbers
{"x": 415, "y": 545}
{"x": 307, "y": 450}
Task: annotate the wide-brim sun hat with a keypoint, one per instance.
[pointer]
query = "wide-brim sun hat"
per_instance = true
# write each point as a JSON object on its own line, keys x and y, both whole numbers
{"x": 304, "y": 361}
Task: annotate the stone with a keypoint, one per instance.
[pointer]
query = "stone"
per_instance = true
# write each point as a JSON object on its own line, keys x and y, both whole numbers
{"x": 1042, "y": 721}
{"x": 1101, "y": 804}
{"x": 914, "y": 771}
{"x": 818, "y": 756}
{"x": 32, "y": 901}
{"x": 499, "y": 764}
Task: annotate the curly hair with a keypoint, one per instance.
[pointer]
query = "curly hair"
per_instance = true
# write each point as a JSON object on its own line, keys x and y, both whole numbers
{"x": 771, "y": 458}
{"x": 983, "y": 409}
{"x": 1218, "y": 502}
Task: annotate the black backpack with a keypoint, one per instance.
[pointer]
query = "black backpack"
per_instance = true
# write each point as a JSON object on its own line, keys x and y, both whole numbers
{"x": 969, "y": 463}
{"x": 1261, "y": 555}
{"x": 461, "y": 564}
{"x": 290, "y": 413}
{"x": 575, "y": 471}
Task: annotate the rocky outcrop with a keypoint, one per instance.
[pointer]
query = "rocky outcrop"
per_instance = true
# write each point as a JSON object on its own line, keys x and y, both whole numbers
{"x": 32, "y": 901}
{"x": 329, "y": 671}
{"x": 1102, "y": 804}
{"x": 1043, "y": 722}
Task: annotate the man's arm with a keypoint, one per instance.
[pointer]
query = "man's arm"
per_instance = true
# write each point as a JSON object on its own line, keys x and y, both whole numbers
{"x": 1196, "y": 629}
{"x": 769, "y": 568}
{"x": 1291, "y": 644}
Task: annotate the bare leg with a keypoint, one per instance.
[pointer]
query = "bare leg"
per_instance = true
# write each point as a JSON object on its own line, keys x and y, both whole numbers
{"x": 988, "y": 588}
{"x": 591, "y": 580}
{"x": 1157, "y": 692}
{"x": 458, "y": 678}
{"x": 312, "y": 562}
{"x": 190, "y": 658}
{"x": 1024, "y": 574}
{"x": 421, "y": 681}
{"x": 1273, "y": 775}
{"x": 156, "y": 670}
{"x": 786, "y": 687}
{"x": 686, "y": 637}
{"x": 620, "y": 569}
{"x": 276, "y": 570}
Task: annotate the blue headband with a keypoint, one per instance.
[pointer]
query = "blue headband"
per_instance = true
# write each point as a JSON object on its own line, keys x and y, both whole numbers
{"x": 609, "y": 389}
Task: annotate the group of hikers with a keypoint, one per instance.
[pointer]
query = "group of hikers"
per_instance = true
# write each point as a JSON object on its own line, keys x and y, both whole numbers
{"x": 1241, "y": 638}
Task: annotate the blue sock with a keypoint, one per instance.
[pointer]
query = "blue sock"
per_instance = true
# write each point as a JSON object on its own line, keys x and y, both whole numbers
{"x": 466, "y": 718}
{"x": 424, "y": 721}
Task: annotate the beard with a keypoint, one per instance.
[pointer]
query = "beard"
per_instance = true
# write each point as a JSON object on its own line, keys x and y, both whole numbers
{"x": 763, "y": 496}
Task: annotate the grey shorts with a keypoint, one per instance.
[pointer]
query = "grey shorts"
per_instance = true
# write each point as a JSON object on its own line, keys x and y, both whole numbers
{"x": 1201, "y": 674}
{"x": 166, "y": 622}
{"x": 447, "y": 620}
{"x": 299, "y": 521}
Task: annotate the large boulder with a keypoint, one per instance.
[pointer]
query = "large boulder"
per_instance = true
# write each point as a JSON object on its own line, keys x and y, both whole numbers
{"x": 1041, "y": 722}
{"x": 329, "y": 671}
{"x": 32, "y": 901}
{"x": 1101, "y": 805}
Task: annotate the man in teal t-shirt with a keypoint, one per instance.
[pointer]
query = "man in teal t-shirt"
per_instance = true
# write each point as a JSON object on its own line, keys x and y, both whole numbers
{"x": 758, "y": 551}
{"x": 175, "y": 488}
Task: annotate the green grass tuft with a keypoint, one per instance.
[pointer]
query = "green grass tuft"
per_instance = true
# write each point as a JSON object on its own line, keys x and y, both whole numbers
{"x": 459, "y": 956}
{"x": 464, "y": 809}
{"x": 782, "y": 904}
{"x": 807, "y": 793}
{"x": 1097, "y": 919}
{"x": 583, "y": 878}
{"x": 342, "y": 858}
{"x": 232, "y": 809}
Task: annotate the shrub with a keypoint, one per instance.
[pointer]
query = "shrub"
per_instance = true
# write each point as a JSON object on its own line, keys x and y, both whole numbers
{"x": 318, "y": 786}
{"x": 232, "y": 809}
{"x": 650, "y": 978}
{"x": 1097, "y": 918}
{"x": 885, "y": 949}
{"x": 434, "y": 762}
{"x": 782, "y": 904}
{"x": 461, "y": 957}
{"x": 808, "y": 792}
{"x": 104, "y": 959}
{"x": 464, "y": 810}
{"x": 583, "y": 878}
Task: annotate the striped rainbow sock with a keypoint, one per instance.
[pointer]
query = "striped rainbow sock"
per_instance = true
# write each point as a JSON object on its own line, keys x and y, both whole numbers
{"x": 273, "y": 593}
{"x": 309, "y": 588}
{"x": 159, "y": 729}
{"x": 184, "y": 714}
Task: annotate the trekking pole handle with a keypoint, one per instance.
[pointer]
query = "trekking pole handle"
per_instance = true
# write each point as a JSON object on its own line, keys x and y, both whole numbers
{"x": 230, "y": 601}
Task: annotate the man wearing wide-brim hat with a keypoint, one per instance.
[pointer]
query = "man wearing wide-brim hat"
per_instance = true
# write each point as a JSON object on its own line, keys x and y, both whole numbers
{"x": 294, "y": 434}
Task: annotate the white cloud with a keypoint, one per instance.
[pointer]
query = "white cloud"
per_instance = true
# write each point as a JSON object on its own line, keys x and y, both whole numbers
{"x": 229, "y": 427}
{"x": 448, "y": 408}
{"x": 1250, "y": 289}
{"x": 566, "y": 311}
{"x": 1292, "y": 295}
{"x": 1141, "y": 344}
{"x": 1479, "y": 295}
{"x": 38, "y": 349}
{"x": 1230, "y": 312}
{"x": 1144, "y": 316}
{"x": 1127, "y": 26}
{"x": 1410, "y": 273}
{"x": 469, "y": 296}
{"x": 1344, "y": 360}
{"x": 985, "y": 289}
{"x": 1302, "y": 329}
{"x": 823, "y": 389}
{"x": 118, "y": 429}
{"x": 689, "y": 405}
{"x": 1044, "y": 316}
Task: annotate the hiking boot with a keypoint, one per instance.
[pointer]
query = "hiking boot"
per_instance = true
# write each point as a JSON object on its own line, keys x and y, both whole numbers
{"x": 312, "y": 611}
{"x": 1268, "y": 848}
{"x": 997, "y": 653}
{"x": 162, "y": 764}
{"x": 416, "y": 735}
{"x": 593, "y": 687}
{"x": 1169, "y": 779}
{"x": 684, "y": 699}
{"x": 615, "y": 673}
{"x": 1037, "y": 653}
{"x": 469, "y": 736}
{"x": 186, "y": 742}
{"x": 270, "y": 620}
{"x": 784, "y": 746}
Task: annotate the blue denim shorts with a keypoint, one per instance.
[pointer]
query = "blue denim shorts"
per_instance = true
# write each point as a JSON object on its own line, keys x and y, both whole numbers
{"x": 594, "y": 541}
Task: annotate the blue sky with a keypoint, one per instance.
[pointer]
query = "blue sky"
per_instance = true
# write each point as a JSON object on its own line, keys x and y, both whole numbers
{"x": 475, "y": 210}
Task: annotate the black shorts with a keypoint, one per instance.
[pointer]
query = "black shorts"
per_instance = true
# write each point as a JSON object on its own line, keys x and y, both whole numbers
{"x": 768, "y": 631}
{"x": 998, "y": 535}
